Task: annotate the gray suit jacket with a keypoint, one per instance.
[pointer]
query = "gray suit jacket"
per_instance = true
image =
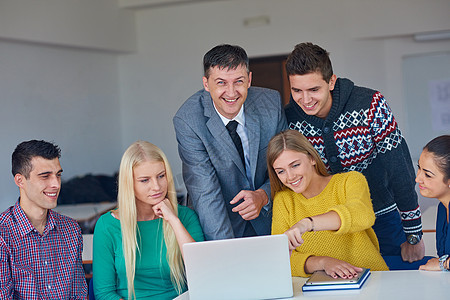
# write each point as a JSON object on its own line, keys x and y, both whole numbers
{"x": 212, "y": 169}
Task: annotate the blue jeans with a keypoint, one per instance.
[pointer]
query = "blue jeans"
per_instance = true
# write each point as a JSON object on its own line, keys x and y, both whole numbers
{"x": 389, "y": 231}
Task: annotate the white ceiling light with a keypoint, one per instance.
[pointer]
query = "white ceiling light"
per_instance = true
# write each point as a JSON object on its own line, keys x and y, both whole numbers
{"x": 432, "y": 36}
{"x": 257, "y": 21}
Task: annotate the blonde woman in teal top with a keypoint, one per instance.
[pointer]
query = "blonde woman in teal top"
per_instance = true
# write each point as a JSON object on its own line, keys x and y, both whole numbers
{"x": 138, "y": 247}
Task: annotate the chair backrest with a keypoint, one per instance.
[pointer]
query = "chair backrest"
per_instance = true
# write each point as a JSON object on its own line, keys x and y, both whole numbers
{"x": 91, "y": 289}
{"x": 87, "y": 247}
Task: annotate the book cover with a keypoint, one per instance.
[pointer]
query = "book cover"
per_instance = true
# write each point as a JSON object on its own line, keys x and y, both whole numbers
{"x": 320, "y": 281}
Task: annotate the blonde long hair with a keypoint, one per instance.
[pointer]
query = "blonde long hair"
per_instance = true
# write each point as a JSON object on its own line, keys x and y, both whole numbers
{"x": 295, "y": 141}
{"x": 138, "y": 152}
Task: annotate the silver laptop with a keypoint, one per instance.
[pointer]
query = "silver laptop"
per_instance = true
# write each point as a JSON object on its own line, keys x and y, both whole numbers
{"x": 242, "y": 268}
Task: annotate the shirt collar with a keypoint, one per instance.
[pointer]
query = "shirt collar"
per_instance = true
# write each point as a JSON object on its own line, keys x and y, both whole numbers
{"x": 240, "y": 117}
{"x": 25, "y": 225}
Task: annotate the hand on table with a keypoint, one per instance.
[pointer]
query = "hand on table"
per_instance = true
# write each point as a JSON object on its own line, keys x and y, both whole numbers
{"x": 332, "y": 266}
{"x": 253, "y": 202}
{"x": 339, "y": 268}
{"x": 431, "y": 265}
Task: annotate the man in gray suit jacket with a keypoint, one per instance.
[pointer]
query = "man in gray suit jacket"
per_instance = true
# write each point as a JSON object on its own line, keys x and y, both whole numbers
{"x": 226, "y": 173}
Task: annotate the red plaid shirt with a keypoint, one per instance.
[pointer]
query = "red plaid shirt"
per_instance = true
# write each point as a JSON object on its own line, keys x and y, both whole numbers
{"x": 40, "y": 266}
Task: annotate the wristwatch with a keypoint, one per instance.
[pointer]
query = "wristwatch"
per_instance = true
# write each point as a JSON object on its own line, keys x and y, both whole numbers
{"x": 413, "y": 239}
{"x": 442, "y": 261}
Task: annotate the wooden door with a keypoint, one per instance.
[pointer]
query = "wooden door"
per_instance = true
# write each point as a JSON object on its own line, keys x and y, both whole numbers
{"x": 270, "y": 72}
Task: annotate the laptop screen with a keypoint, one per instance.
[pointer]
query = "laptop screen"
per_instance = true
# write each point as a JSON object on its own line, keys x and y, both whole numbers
{"x": 241, "y": 268}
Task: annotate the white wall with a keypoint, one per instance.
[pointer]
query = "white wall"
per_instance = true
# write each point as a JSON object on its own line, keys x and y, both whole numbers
{"x": 94, "y": 24}
{"x": 59, "y": 82}
{"x": 62, "y": 95}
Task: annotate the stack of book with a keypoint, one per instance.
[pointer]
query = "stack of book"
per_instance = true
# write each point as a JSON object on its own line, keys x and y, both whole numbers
{"x": 320, "y": 281}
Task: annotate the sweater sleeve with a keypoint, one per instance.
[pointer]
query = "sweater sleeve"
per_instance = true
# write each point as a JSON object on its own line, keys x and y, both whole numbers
{"x": 396, "y": 160}
{"x": 103, "y": 263}
{"x": 355, "y": 208}
{"x": 280, "y": 223}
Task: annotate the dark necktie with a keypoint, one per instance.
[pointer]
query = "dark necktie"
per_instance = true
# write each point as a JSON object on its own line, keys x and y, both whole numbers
{"x": 231, "y": 126}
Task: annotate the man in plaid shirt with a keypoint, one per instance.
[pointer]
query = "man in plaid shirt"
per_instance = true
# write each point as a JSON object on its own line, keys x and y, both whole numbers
{"x": 40, "y": 250}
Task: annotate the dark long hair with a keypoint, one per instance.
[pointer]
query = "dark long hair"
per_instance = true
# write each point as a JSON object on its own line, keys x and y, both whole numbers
{"x": 440, "y": 148}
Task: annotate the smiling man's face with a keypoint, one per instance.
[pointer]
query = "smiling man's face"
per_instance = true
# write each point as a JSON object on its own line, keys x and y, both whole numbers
{"x": 228, "y": 89}
{"x": 41, "y": 189}
{"x": 312, "y": 93}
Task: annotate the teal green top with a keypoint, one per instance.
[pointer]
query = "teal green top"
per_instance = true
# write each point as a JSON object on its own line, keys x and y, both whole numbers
{"x": 152, "y": 279}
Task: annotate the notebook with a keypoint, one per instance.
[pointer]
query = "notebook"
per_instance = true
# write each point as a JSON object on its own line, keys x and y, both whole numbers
{"x": 320, "y": 281}
{"x": 241, "y": 268}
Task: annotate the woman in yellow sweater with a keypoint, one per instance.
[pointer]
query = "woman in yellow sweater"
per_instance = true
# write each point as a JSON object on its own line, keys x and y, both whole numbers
{"x": 327, "y": 218}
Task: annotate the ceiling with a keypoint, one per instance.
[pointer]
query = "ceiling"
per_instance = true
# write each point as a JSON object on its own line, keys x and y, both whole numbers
{"x": 157, "y": 3}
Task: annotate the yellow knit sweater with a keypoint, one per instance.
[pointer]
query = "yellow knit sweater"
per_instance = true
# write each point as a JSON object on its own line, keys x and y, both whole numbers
{"x": 355, "y": 242}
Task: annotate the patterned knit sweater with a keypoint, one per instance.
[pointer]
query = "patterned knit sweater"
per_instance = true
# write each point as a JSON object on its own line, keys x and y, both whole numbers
{"x": 360, "y": 134}
{"x": 355, "y": 242}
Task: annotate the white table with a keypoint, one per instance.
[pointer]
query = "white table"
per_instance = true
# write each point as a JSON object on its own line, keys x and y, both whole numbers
{"x": 84, "y": 211}
{"x": 408, "y": 285}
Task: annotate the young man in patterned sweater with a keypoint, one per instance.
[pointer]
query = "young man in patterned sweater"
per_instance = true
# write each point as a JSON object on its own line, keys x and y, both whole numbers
{"x": 354, "y": 129}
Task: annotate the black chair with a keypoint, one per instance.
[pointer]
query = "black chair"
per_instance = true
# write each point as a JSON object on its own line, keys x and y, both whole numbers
{"x": 91, "y": 289}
